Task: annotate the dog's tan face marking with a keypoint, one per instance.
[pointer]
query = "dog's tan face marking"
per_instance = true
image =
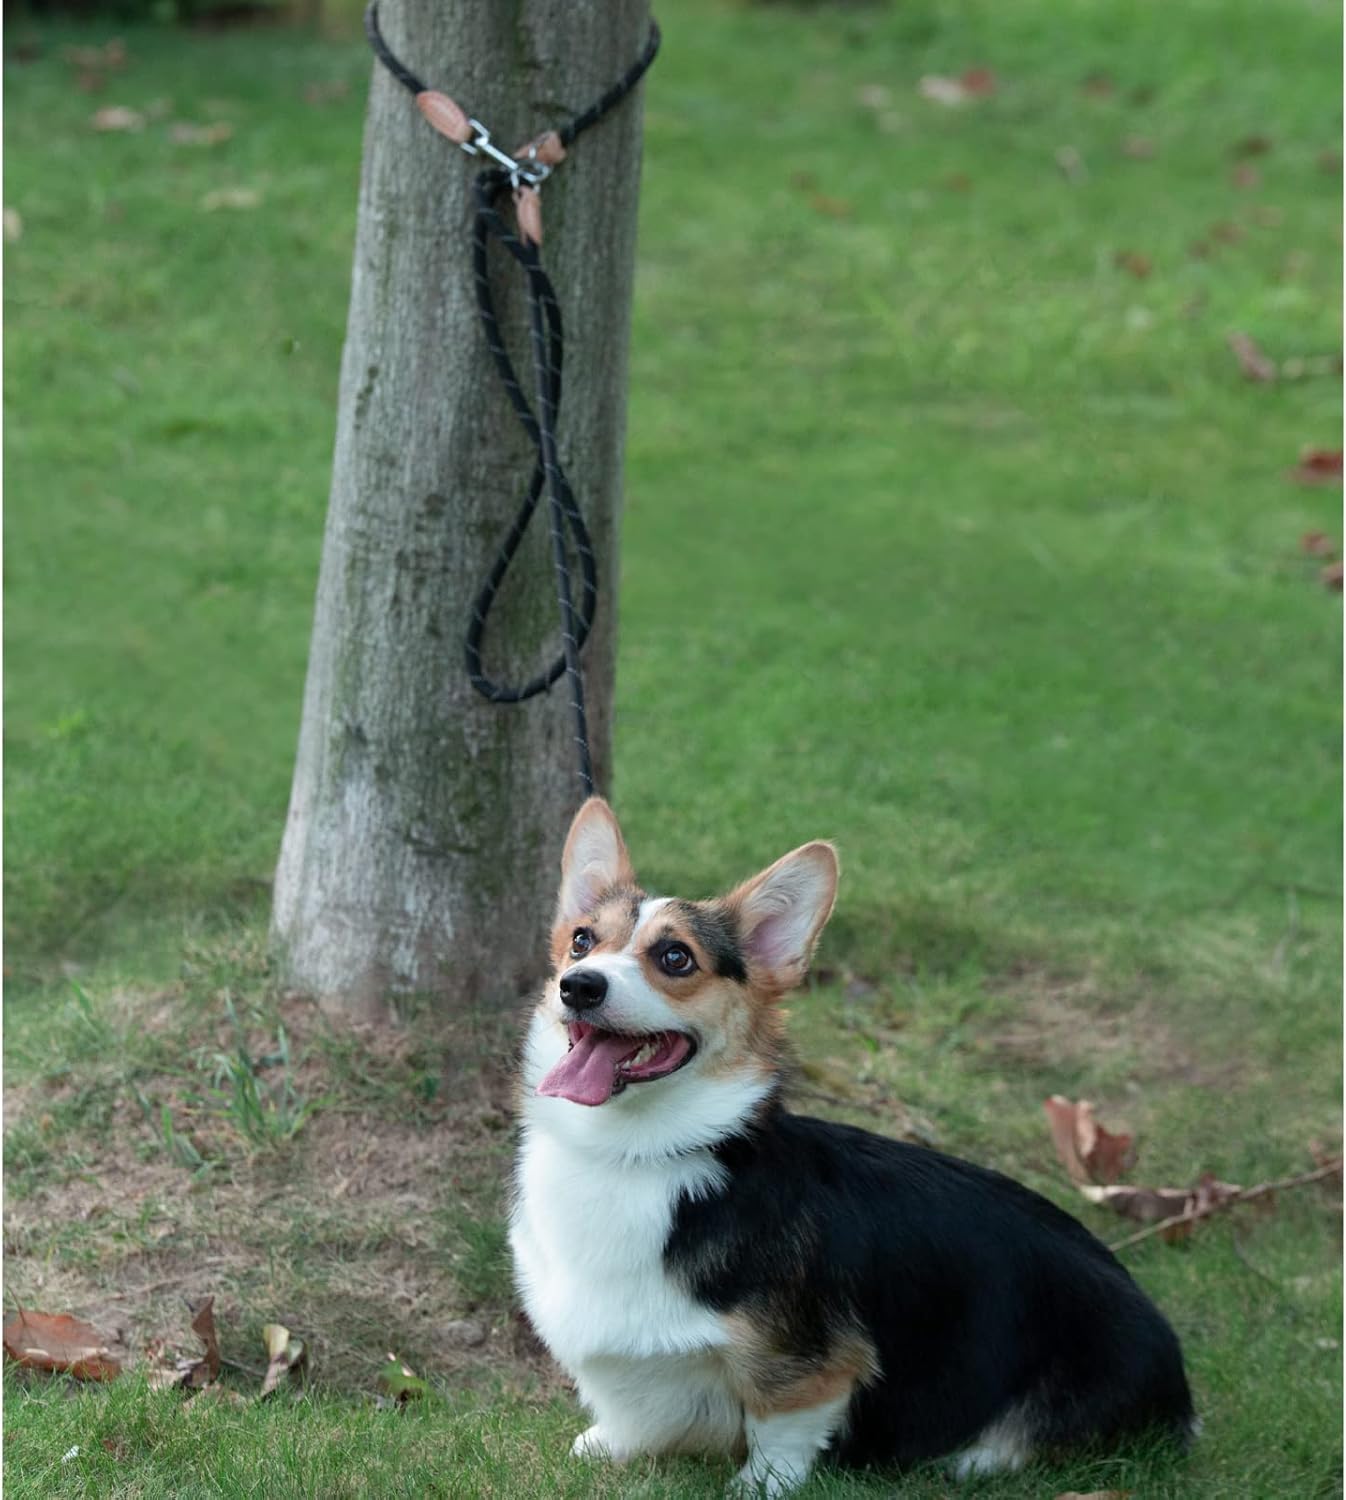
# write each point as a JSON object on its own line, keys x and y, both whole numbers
{"x": 611, "y": 924}
{"x": 737, "y": 955}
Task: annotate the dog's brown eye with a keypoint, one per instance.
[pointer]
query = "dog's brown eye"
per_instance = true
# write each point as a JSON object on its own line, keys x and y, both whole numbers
{"x": 581, "y": 942}
{"x": 676, "y": 960}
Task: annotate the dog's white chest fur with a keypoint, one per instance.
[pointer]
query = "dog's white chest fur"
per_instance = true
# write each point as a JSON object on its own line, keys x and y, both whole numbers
{"x": 588, "y": 1237}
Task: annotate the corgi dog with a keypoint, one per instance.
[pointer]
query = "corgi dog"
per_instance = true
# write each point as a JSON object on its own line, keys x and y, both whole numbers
{"x": 721, "y": 1276}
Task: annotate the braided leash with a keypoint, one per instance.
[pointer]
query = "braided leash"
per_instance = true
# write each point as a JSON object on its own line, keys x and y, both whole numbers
{"x": 523, "y": 173}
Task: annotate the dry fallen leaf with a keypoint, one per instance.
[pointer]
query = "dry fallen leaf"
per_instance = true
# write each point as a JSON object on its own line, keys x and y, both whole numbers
{"x": 285, "y": 1354}
{"x": 1147, "y": 1205}
{"x": 1251, "y": 145}
{"x": 1088, "y": 1152}
{"x": 1246, "y": 176}
{"x": 1254, "y": 364}
{"x": 47, "y": 1341}
{"x": 1318, "y": 466}
{"x": 1332, "y": 576}
{"x": 978, "y": 82}
{"x": 1138, "y": 147}
{"x": 13, "y": 225}
{"x": 1134, "y": 262}
{"x": 203, "y": 1326}
{"x": 834, "y": 208}
{"x": 1316, "y": 544}
{"x": 117, "y": 117}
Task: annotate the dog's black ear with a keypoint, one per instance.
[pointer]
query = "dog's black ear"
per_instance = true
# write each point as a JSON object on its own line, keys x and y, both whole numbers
{"x": 781, "y": 912}
{"x": 593, "y": 861}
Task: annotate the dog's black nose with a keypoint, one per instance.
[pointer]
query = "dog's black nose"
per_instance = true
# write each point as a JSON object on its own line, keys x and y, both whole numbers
{"x": 582, "y": 989}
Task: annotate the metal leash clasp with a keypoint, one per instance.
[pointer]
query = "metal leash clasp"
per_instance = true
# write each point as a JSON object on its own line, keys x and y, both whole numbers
{"x": 525, "y": 169}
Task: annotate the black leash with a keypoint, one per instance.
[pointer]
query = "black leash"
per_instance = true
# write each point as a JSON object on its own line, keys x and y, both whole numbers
{"x": 523, "y": 173}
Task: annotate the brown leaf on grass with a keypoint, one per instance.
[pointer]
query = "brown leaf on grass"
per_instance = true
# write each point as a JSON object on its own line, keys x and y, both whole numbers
{"x": 286, "y": 1354}
{"x": 978, "y": 82}
{"x": 1251, "y": 145}
{"x": 1134, "y": 263}
{"x": 1151, "y": 1205}
{"x": 957, "y": 182}
{"x": 58, "y": 1342}
{"x": 203, "y": 1326}
{"x": 834, "y": 208}
{"x": 186, "y": 133}
{"x": 117, "y": 117}
{"x": 1246, "y": 177}
{"x": 1317, "y": 544}
{"x": 1226, "y": 232}
{"x": 1331, "y": 577}
{"x": 1329, "y": 161}
{"x": 1318, "y": 466}
{"x": 1098, "y": 86}
{"x": 1254, "y": 364}
{"x": 1138, "y": 147}
{"x": 1088, "y": 1152}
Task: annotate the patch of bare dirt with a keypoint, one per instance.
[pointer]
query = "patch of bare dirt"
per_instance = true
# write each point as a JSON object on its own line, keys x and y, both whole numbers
{"x": 1065, "y": 1023}
{"x": 347, "y": 1233}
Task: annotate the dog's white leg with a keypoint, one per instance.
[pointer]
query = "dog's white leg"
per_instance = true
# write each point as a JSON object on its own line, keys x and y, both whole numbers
{"x": 596, "y": 1443}
{"x": 1001, "y": 1448}
{"x": 662, "y": 1404}
{"x": 782, "y": 1447}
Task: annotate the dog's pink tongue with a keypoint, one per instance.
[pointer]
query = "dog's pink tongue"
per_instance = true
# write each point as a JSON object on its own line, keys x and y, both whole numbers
{"x": 587, "y": 1074}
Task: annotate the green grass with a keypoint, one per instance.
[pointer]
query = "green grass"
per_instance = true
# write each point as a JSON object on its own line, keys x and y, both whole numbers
{"x": 946, "y": 537}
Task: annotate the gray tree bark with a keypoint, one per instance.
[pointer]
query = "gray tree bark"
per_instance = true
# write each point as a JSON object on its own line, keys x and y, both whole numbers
{"x": 425, "y": 824}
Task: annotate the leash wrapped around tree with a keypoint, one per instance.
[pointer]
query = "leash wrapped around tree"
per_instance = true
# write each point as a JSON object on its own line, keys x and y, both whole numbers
{"x": 522, "y": 174}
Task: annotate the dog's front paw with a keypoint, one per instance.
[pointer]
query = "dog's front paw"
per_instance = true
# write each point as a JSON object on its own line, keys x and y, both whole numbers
{"x": 594, "y": 1443}
{"x": 762, "y": 1483}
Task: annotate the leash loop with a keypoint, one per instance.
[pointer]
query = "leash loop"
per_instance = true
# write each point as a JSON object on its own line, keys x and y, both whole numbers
{"x": 522, "y": 174}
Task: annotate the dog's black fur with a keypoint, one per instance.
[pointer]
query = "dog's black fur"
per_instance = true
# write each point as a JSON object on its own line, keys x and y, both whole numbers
{"x": 979, "y": 1296}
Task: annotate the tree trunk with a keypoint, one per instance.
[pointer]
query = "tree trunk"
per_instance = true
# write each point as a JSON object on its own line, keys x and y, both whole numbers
{"x": 425, "y": 824}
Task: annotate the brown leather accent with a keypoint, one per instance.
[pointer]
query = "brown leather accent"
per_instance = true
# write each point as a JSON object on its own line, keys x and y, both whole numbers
{"x": 446, "y": 116}
{"x": 546, "y": 148}
{"x": 528, "y": 211}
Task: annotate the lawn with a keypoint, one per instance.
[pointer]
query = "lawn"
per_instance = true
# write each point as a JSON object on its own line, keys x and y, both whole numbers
{"x": 953, "y": 532}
